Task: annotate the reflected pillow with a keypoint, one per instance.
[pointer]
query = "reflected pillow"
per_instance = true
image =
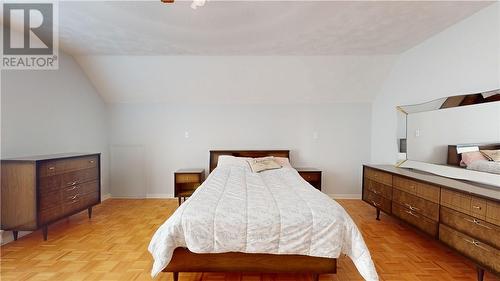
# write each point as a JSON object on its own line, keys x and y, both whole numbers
{"x": 263, "y": 164}
{"x": 492, "y": 155}
{"x": 469, "y": 157}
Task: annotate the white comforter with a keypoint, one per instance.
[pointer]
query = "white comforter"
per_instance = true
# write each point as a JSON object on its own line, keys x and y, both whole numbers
{"x": 274, "y": 212}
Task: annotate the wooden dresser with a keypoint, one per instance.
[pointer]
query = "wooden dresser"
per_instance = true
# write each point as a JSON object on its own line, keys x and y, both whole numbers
{"x": 464, "y": 216}
{"x": 36, "y": 191}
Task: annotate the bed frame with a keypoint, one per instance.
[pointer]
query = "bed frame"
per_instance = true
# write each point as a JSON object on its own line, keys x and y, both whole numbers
{"x": 184, "y": 260}
{"x": 454, "y": 158}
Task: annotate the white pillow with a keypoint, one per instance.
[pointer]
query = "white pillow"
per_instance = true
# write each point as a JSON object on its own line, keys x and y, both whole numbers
{"x": 228, "y": 160}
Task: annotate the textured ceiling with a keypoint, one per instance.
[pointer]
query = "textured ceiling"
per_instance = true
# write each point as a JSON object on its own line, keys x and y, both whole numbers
{"x": 254, "y": 27}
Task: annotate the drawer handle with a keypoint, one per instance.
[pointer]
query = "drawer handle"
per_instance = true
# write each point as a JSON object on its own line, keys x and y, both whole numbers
{"x": 476, "y": 243}
{"x": 52, "y": 168}
{"x": 477, "y": 207}
{"x": 375, "y": 204}
{"x": 72, "y": 183}
{"x": 411, "y": 213}
{"x": 376, "y": 192}
{"x": 477, "y": 222}
{"x": 411, "y": 207}
{"x": 73, "y": 202}
{"x": 73, "y": 197}
{"x": 72, "y": 188}
{"x": 91, "y": 161}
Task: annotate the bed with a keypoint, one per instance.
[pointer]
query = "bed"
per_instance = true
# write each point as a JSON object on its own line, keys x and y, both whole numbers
{"x": 455, "y": 157}
{"x": 268, "y": 222}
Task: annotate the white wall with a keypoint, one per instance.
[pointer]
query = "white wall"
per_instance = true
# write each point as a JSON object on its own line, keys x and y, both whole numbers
{"x": 57, "y": 111}
{"x": 458, "y": 125}
{"x": 343, "y": 142}
{"x": 465, "y": 58}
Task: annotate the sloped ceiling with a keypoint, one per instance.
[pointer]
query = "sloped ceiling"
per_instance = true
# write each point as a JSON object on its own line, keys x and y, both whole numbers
{"x": 237, "y": 79}
{"x": 248, "y": 51}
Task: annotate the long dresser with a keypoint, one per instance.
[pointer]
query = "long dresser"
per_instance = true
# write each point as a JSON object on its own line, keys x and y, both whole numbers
{"x": 39, "y": 190}
{"x": 464, "y": 216}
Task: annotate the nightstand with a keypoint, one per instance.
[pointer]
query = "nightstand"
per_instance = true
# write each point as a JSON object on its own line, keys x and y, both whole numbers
{"x": 312, "y": 176}
{"x": 186, "y": 181}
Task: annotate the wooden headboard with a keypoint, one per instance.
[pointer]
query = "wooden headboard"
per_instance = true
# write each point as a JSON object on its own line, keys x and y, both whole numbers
{"x": 454, "y": 158}
{"x": 214, "y": 155}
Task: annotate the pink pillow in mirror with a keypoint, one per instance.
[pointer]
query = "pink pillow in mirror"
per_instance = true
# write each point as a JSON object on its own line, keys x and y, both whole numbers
{"x": 469, "y": 157}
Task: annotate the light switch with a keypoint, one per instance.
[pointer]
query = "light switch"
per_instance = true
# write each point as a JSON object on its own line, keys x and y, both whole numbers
{"x": 186, "y": 134}
{"x": 315, "y": 135}
{"x": 417, "y": 133}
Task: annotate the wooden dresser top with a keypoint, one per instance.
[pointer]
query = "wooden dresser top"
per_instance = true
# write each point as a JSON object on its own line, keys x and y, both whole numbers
{"x": 49, "y": 157}
{"x": 469, "y": 187}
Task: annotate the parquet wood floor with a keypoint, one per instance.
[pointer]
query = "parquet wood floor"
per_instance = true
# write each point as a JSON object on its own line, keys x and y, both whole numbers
{"x": 113, "y": 246}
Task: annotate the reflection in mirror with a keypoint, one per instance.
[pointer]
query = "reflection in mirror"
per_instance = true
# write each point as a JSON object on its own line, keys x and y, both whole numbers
{"x": 458, "y": 134}
{"x": 401, "y": 135}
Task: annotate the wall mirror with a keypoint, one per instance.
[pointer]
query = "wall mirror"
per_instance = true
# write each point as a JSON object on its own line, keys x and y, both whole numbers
{"x": 456, "y": 137}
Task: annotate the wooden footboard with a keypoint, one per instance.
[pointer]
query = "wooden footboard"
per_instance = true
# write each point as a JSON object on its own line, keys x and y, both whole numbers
{"x": 185, "y": 261}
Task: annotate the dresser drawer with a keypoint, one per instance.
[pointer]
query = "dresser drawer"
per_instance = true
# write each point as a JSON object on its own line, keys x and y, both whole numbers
{"x": 187, "y": 178}
{"x": 377, "y": 201}
{"x": 80, "y": 163}
{"x": 50, "y": 183}
{"x": 48, "y": 200}
{"x": 378, "y": 188}
{"x": 51, "y": 168}
{"x": 416, "y": 204}
{"x": 378, "y": 176}
{"x": 56, "y": 167}
{"x": 471, "y": 226}
{"x": 493, "y": 212}
{"x": 80, "y": 176}
{"x": 470, "y": 247}
{"x": 420, "y": 189}
{"x": 421, "y": 222}
{"x": 405, "y": 185}
{"x": 80, "y": 201}
{"x": 465, "y": 203}
{"x": 50, "y": 214}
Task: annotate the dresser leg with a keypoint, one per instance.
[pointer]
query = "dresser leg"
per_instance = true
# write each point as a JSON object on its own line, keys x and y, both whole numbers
{"x": 89, "y": 210}
{"x": 480, "y": 274}
{"x": 14, "y": 233}
{"x": 175, "y": 274}
{"x": 45, "y": 230}
{"x": 179, "y": 200}
{"x": 378, "y": 214}
{"x": 315, "y": 277}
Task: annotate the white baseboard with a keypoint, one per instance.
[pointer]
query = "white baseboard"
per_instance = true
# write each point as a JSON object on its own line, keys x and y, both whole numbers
{"x": 148, "y": 196}
{"x": 345, "y": 196}
{"x": 159, "y": 196}
{"x": 105, "y": 196}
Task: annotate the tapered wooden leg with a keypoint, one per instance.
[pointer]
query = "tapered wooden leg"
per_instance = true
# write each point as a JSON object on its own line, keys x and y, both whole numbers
{"x": 480, "y": 274}
{"x": 14, "y": 233}
{"x": 45, "y": 230}
{"x": 315, "y": 277}
{"x": 176, "y": 274}
{"x": 179, "y": 200}
{"x": 90, "y": 212}
{"x": 378, "y": 214}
